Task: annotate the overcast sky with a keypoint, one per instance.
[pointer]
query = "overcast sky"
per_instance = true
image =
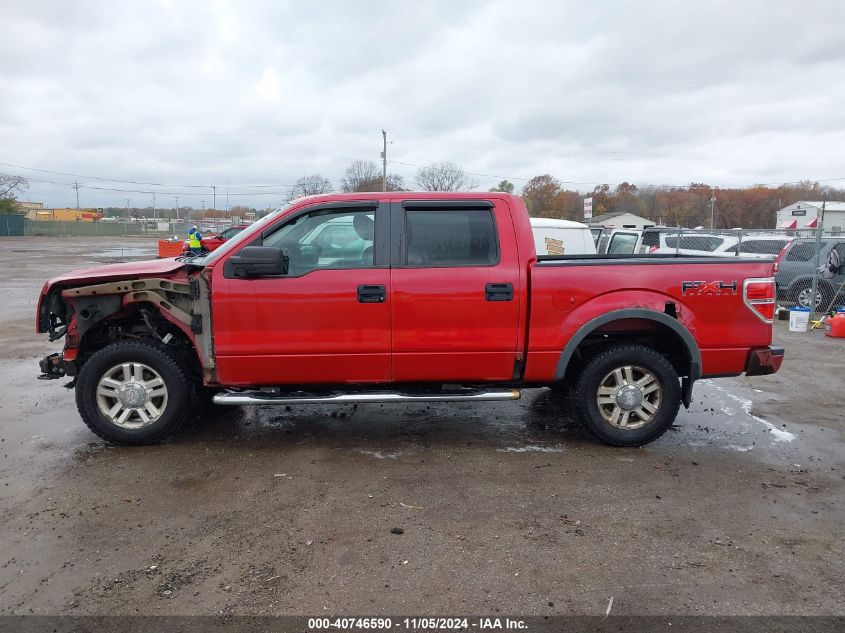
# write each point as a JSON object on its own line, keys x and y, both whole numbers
{"x": 263, "y": 92}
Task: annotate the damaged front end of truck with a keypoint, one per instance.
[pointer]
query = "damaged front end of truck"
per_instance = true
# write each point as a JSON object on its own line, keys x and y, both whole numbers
{"x": 167, "y": 303}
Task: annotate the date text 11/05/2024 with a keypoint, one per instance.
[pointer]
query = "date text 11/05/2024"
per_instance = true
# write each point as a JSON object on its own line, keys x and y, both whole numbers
{"x": 416, "y": 624}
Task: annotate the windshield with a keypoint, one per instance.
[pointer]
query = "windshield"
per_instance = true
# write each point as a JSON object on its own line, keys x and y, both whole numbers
{"x": 230, "y": 244}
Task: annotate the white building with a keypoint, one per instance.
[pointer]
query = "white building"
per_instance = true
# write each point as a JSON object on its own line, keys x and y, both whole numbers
{"x": 622, "y": 220}
{"x": 804, "y": 215}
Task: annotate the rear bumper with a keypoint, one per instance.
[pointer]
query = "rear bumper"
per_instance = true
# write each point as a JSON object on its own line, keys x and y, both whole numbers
{"x": 764, "y": 361}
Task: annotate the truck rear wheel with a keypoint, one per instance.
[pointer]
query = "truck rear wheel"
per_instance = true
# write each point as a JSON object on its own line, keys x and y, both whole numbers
{"x": 134, "y": 392}
{"x": 628, "y": 395}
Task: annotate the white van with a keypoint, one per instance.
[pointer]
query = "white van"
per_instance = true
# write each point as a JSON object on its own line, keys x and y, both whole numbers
{"x": 562, "y": 237}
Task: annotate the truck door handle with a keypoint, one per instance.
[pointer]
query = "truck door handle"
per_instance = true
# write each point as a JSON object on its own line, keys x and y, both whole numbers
{"x": 498, "y": 292}
{"x": 371, "y": 294}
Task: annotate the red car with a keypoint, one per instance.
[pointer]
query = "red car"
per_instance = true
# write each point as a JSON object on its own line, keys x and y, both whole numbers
{"x": 404, "y": 297}
{"x": 216, "y": 241}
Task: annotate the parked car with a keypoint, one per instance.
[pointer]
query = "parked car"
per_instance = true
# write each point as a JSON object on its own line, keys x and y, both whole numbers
{"x": 795, "y": 267}
{"x": 214, "y": 242}
{"x": 760, "y": 245}
{"x": 439, "y": 297}
{"x": 562, "y": 237}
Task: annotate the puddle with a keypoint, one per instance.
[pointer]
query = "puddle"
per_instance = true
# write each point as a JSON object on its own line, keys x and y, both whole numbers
{"x": 129, "y": 251}
{"x": 380, "y": 455}
{"x": 779, "y": 434}
{"x": 531, "y": 448}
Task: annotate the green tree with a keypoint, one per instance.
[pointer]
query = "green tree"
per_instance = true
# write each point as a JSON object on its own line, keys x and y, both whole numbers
{"x": 505, "y": 186}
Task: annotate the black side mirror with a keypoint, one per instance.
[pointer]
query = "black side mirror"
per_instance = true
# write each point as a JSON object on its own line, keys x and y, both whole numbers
{"x": 259, "y": 261}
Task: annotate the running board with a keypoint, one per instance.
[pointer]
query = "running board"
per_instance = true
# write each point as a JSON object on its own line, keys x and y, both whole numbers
{"x": 299, "y": 397}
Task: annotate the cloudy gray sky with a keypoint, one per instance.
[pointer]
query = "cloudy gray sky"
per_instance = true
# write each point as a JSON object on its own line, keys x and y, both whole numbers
{"x": 262, "y": 92}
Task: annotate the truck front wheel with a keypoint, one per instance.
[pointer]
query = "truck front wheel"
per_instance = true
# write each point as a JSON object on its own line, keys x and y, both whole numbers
{"x": 134, "y": 392}
{"x": 628, "y": 395}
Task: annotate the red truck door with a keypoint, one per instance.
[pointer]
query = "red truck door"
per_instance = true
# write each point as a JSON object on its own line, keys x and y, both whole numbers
{"x": 455, "y": 299}
{"x": 328, "y": 319}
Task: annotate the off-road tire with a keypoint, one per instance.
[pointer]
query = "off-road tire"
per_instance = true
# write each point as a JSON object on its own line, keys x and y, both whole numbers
{"x": 181, "y": 391}
{"x": 589, "y": 381}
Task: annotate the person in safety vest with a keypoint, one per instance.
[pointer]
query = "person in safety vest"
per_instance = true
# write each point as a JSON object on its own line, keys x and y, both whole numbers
{"x": 194, "y": 240}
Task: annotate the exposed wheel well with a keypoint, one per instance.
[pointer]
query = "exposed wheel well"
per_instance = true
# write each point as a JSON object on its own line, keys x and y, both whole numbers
{"x": 641, "y": 331}
{"x": 142, "y": 322}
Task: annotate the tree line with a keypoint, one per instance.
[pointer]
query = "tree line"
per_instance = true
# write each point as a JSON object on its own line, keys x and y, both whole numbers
{"x": 365, "y": 175}
{"x": 749, "y": 207}
{"x": 546, "y": 196}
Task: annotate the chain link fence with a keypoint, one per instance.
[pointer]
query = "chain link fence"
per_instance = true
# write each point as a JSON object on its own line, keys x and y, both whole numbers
{"x": 151, "y": 228}
{"x": 809, "y": 268}
{"x": 59, "y": 228}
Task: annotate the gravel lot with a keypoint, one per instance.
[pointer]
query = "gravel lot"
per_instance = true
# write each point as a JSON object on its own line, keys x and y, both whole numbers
{"x": 502, "y": 507}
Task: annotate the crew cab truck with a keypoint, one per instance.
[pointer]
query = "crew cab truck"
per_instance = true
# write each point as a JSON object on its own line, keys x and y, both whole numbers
{"x": 412, "y": 297}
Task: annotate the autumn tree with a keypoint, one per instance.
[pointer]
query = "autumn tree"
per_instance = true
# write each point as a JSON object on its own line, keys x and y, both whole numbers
{"x": 539, "y": 195}
{"x": 601, "y": 199}
{"x": 444, "y": 177}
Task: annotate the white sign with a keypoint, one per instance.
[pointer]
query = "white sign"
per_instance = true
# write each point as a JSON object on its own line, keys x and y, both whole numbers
{"x": 588, "y": 208}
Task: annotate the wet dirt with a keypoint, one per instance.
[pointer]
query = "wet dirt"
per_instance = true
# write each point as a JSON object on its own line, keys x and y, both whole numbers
{"x": 423, "y": 509}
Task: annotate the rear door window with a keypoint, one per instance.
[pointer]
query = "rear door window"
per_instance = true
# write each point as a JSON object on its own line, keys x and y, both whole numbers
{"x": 760, "y": 247}
{"x": 801, "y": 252}
{"x": 622, "y": 243}
{"x": 451, "y": 237}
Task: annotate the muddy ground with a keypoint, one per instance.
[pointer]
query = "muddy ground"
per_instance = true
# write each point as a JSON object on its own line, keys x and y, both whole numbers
{"x": 503, "y": 508}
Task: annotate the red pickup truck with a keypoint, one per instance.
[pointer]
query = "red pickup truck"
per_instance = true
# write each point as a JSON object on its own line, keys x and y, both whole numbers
{"x": 403, "y": 297}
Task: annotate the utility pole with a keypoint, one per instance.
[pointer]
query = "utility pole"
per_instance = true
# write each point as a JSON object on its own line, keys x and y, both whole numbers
{"x": 384, "y": 161}
{"x": 76, "y": 186}
{"x": 154, "y": 205}
{"x": 214, "y": 197}
{"x": 177, "y": 208}
{"x": 712, "y": 207}
{"x": 128, "y": 217}
{"x": 814, "y": 290}
{"x": 227, "y": 196}
{"x": 202, "y": 209}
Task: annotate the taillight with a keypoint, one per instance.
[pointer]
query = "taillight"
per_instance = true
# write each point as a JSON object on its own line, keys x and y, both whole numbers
{"x": 759, "y": 296}
{"x": 779, "y": 257}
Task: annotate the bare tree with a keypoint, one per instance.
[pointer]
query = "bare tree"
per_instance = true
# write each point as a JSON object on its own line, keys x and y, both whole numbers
{"x": 395, "y": 182}
{"x": 362, "y": 175}
{"x": 11, "y": 186}
{"x": 444, "y": 177}
{"x": 310, "y": 186}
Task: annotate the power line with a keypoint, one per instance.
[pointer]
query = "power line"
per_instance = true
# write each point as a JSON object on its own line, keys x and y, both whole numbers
{"x": 284, "y": 189}
{"x": 151, "y": 184}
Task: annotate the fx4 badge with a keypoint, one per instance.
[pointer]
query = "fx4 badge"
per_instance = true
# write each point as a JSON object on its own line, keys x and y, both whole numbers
{"x": 708, "y": 288}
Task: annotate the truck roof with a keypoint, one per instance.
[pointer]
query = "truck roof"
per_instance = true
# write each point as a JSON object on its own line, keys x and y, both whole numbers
{"x": 409, "y": 195}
